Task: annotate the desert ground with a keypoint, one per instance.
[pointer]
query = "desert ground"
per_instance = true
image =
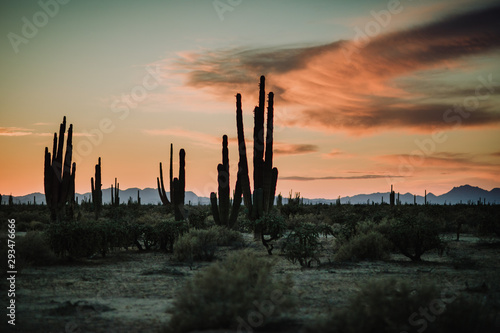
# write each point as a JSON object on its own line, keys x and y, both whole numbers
{"x": 131, "y": 291}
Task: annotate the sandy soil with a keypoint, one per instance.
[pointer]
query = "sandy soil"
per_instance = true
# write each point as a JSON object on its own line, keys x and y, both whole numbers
{"x": 132, "y": 292}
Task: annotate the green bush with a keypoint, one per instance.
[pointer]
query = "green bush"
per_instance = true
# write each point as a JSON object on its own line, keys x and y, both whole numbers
{"x": 396, "y": 306}
{"x": 302, "y": 244}
{"x": 413, "y": 235}
{"x": 237, "y": 293}
{"x": 371, "y": 245}
{"x": 272, "y": 227}
{"x": 227, "y": 237}
{"x": 168, "y": 232}
{"x": 86, "y": 238}
{"x": 196, "y": 245}
{"x": 33, "y": 249}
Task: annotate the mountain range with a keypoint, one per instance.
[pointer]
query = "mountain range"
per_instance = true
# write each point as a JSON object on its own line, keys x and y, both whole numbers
{"x": 461, "y": 194}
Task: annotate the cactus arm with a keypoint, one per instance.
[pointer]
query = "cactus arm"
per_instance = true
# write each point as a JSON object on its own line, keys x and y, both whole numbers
{"x": 268, "y": 162}
{"x": 215, "y": 209}
{"x": 182, "y": 177}
{"x": 171, "y": 176}
{"x": 274, "y": 181}
{"x": 243, "y": 162}
{"x": 236, "y": 204}
{"x": 161, "y": 188}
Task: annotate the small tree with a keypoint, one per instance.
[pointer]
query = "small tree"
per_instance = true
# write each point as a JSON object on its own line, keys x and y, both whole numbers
{"x": 302, "y": 244}
{"x": 414, "y": 235}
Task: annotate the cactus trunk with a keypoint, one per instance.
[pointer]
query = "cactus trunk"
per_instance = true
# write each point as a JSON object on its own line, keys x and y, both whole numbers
{"x": 59, "y": 177}
{"x": 96, "y": 187}
{"x": 243, "y": 163}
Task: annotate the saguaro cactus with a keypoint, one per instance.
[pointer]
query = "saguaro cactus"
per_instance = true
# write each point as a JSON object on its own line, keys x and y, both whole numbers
{"x": 59, "y": 178}
{"x": 177, "y": 185}
{"x": 391, "y": 197}
{"x": 265, "y": 176}
{"x": 96, "y": 187}
{"x": 115, "y": 194}
{"x": 221, "y": 212}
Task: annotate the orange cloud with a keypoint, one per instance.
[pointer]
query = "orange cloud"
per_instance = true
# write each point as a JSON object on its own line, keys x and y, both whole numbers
{"x": 15, "y": 131}
{"x": 362, "y": 87}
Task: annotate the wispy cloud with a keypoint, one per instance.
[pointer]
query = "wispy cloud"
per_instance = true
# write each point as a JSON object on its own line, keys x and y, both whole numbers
{"x": 15, "y": 131}
{"x": 301, "y": 178}
{"x": 379, "y": 88}
{"x": 450, "y": 161}
{"x": 293, "y": 149}
{"x": 335, "y": 153}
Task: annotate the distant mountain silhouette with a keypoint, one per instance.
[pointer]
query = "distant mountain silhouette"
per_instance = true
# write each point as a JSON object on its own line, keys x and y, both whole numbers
{"x": 461, "y": 194}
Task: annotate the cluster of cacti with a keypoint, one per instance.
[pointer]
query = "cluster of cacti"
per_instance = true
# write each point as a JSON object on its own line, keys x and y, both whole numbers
{"x": 265, "y": 176}
{"x": 177, "y": 185}
{"x": 115, "y": 194}
{"x": 96, "y": 187}
{"x": 220, "y": 212}
{"x": 59, "y": 177}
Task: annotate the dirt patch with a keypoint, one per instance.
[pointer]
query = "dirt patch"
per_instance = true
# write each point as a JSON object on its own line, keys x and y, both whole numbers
{"x": 133, "y": 292}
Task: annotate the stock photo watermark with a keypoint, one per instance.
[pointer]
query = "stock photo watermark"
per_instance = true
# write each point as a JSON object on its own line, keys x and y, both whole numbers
{"x": 11, "y": 271}
{"x": 30, "y": 27}
{"x": 121, "y": 106}
{"x": 256, "y": 318}
{"x": 222, "y": 7}
{"x": 436, "y": 307}
{"x": 454, "y": 116}
{"x": 371, "y": 29}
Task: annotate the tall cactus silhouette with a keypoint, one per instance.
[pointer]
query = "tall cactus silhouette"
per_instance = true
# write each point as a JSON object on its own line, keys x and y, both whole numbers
{"x": 265, "y": 176}
{"x": 391, "y": 197}
{"x": 96, "y": 187}
{"x": 221, "y": 213}
{"x": 115, "y": 194}
{"x": 177, "y": 185}
{"x": 59, "y": 177}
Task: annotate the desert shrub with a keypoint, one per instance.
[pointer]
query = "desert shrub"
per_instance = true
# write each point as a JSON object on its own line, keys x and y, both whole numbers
{"x": 344, "y": 232}
{"x": 231, "y": 294}
{"x": 34, "y": 249}
{"x": 272, "y": 227}
{"x": 86, "y": 238}
{"x": 197, "y": 217}
{"x": 37, "y": 226}
{"x": 22, "y": 226}
{"x": 395, "y": 306}
{"x": 487, "y": 222}
{"x": 196, "y": 245}
{"x": 227, "y": 237}
{"x": 302, "y": 244}
{"x": 371, "y": 245}
{"x": 168, "y": 231}
{"x": 76, "y": 239}
{"x": 413, "y": 235}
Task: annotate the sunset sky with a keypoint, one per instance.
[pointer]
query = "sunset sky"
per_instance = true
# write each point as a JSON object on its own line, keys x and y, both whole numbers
{"x": 367, "y": 93}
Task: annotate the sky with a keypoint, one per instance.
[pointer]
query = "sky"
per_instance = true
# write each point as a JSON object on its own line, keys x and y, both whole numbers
{"x": 367, "y": 93}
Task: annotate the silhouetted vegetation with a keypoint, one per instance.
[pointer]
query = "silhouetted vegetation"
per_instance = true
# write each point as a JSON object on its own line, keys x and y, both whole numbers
{"x": 227, "y": 292}
{"x": 59, "y": 176}
{"x": 177, "y": 186}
